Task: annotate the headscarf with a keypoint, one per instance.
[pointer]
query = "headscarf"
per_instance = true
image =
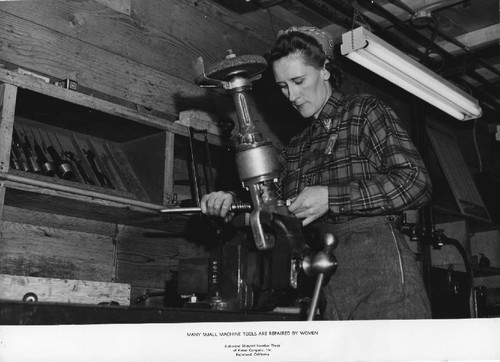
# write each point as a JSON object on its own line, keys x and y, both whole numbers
{"x": 323, "y": 38}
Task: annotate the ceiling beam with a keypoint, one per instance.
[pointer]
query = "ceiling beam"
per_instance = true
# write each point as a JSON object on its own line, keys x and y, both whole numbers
{"x": 328, "y": 11}
{"x": 474, "y": 39}
{"x": 402, "y": 11}
{"x": 301, "y": 11}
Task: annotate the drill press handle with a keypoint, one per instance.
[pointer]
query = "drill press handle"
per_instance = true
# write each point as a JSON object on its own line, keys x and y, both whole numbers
{"x": 323, "y": 264}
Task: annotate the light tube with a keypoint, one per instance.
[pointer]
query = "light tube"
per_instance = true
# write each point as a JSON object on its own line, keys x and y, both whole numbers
{"x": 373, "y": 53}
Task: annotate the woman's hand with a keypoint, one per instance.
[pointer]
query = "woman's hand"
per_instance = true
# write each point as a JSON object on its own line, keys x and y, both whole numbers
{"x": 217, "y": 204}
{"x": 310, "y": 204}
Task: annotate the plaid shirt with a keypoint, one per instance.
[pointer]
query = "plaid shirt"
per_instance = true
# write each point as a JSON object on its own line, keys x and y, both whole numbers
{"x": 358, "y": 148}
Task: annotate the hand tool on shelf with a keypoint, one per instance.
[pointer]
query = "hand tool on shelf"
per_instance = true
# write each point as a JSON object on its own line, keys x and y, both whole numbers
{"x": 63, "y": 168}
{"x": 19, "y": 153}
{"x": 48, "y": 168}
{"x": 14, "y": 163}
{"x": 108, "y": 174}
{"x": 32, "y": 162}
{"x": 101, "y": 177}
{"x": 86, "y": 179}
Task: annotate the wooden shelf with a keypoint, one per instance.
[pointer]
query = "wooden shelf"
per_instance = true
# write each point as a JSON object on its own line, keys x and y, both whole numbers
{"x": 142, "y": 141}
{"x": 13, "y": 313}
{"x": 445, "y": 215}
{"x": 480, "y": 272}
{"x": 59, "y": 198}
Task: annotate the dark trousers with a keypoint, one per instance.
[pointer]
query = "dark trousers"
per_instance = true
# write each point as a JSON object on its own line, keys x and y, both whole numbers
{"x": 377, "y": 275}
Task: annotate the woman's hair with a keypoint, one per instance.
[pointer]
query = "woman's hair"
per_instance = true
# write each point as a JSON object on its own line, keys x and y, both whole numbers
{"x": 311, "y": 51}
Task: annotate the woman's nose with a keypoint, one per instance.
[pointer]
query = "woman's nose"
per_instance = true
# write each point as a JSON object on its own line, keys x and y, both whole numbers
{"x": 292, "y": 94}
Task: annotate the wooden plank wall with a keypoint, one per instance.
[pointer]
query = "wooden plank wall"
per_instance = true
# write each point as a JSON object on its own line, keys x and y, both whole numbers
{"x": 142, "y": 60}
{"x": 145, "y": 58}
{"x": 55, "y": 246}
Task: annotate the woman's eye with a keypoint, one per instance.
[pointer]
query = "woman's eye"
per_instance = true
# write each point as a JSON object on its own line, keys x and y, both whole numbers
{"x": 299, "y": 82}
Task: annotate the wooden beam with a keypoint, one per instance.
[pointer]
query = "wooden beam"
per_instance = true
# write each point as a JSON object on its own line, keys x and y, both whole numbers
{"x": 7, "y": 110}
{"x": 8, "y": 94}
{"x": 56, "y": 221}
{"x": 15, "y": 287}
{"x": 403, "y": 14}
{"x": 168, "y": 183}
{"x": 473, "y": 39}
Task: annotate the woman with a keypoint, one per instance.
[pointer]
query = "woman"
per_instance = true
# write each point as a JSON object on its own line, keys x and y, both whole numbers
{"x": 351, "y": 173}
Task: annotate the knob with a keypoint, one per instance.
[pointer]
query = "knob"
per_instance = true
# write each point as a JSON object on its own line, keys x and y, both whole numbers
{"x": 330, "y": 242}
{"x": 323, "y": 262}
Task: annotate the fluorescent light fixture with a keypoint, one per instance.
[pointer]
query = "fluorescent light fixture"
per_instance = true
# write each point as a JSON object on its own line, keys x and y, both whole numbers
{"x": 382, "y": 58}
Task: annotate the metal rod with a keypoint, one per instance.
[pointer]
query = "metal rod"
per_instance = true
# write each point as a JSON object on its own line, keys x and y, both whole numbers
{"x": 194, "y": 171}
{"x": 208, "y": 157}
{"x": 241, "y": 207}
{"x": 181, "y": 210}
{"x": 315, "y": 298}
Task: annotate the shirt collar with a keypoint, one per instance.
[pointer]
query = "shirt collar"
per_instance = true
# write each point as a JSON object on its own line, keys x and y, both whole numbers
{"x": 330, "y": 106}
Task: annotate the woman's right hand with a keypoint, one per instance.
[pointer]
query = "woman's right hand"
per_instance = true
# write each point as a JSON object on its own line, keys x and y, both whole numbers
{"x": 217, "y": 204}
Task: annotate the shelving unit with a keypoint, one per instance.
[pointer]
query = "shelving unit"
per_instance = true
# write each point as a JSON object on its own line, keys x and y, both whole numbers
{"x": 134, "y": 149}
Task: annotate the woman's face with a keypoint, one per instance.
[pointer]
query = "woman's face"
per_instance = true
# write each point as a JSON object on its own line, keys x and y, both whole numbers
{"x": 305, "y": 86}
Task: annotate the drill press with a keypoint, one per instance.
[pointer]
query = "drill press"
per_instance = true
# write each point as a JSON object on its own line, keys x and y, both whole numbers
{"x": 256, "y": 158}
{"x": 280, "y": 260}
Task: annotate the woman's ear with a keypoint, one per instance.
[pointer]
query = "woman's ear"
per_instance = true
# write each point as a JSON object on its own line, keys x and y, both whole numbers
{"x": 326, "y": 74}
{"x": 325, "y": 71}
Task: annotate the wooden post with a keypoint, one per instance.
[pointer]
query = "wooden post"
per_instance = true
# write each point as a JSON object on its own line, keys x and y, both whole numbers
{"x": 168, "y": 184}
{"x": 8, "y": 95}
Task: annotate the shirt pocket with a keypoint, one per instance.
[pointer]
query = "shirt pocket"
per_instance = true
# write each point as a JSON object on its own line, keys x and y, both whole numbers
{"x": 311, "y": 178}
{"x": 312, "y": 166}
{"x": 295, "y": 181}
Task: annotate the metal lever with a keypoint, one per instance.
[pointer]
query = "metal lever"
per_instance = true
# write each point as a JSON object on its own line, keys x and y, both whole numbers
{"x": 237, "y": 207}
{"x": 323, "y": 264}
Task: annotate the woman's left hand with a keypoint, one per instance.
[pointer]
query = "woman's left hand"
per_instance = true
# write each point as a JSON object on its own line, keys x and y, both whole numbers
{"x": 310, "y": 204}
